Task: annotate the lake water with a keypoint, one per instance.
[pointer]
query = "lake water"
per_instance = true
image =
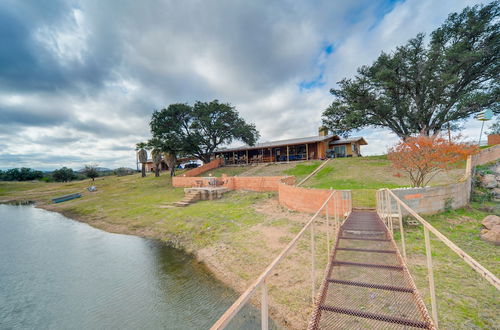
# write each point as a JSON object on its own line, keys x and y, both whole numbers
{"x": 57, "y": 273}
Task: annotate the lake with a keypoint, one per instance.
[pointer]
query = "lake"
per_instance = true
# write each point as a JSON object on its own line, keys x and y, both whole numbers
{"x": 57, "y": 273}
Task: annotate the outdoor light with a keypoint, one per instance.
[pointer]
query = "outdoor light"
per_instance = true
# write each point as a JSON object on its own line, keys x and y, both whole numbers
{"x": 483, "y": 116}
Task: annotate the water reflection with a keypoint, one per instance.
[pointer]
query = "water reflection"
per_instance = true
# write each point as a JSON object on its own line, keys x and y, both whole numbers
{"x": 61, "y": 274}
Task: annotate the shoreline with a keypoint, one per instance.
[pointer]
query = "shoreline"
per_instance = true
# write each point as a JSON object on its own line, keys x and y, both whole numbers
{"x": 202, "y": 256}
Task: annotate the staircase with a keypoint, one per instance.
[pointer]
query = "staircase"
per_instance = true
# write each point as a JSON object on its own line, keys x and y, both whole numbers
{"x": 367, "y": 285}
{"x": 189, "y": 198}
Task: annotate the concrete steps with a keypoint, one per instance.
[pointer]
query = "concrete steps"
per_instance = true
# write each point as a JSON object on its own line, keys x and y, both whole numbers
{"x": 190, "y": 198}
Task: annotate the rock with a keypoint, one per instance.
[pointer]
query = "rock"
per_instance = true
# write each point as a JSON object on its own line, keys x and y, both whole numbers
{"x": 484, "y": 231}
{"x": 490, "y": 221}
{"x": 496, "y": 192}
{"x": 489, "y": 181}
{"x": 492, "y": 236}
{"x": 496, "y": 169}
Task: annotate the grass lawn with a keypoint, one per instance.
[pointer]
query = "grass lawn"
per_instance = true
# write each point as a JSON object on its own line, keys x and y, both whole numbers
{"x": 367, "y": 174}
{"x": 465, "y": 300}
{"x": 228, "y": 170}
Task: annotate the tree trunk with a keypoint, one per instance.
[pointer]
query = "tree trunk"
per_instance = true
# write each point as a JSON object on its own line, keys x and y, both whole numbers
{"x": 143, "y": 170}
{"x": 157, "y": 171}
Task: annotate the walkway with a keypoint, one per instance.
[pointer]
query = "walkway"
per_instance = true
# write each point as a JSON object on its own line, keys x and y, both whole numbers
{"x": 367, "y": 285}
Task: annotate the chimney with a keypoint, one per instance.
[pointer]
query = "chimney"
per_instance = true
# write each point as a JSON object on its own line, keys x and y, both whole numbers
{"x": 323, "y": 131}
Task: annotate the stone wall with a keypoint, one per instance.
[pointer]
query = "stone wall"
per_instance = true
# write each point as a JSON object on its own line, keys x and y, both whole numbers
{"x": 429, "y": 200}
{"x": 486, "y": 155}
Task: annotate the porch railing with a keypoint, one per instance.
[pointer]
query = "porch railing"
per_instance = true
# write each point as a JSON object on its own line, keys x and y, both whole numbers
{"x": 338, "y": 200}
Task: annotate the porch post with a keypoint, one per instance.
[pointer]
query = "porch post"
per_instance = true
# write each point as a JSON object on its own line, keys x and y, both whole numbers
{"x": 307, "y": 151}
{"x": 247, "y": 156}
{"x": 234, "y": 159}
{"x": 287, "y": 153}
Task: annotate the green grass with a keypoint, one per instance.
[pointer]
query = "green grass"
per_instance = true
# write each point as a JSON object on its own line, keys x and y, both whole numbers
{"x": 365, "y": 175}
{"x": 302, "y": 170}
{"x": 229, "y": 171}
{"x": 132, "y": 204}
{"x": 465, "y": 300}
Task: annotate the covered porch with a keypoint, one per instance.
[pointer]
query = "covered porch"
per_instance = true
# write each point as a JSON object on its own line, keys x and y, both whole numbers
{"x": 287, "y": 153}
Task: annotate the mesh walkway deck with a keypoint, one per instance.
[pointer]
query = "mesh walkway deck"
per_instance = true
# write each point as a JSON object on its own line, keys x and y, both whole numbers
{"x": 367, "y": 285}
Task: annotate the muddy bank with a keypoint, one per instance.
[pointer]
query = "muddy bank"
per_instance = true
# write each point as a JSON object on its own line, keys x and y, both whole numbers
{"x": 240, "y": 257}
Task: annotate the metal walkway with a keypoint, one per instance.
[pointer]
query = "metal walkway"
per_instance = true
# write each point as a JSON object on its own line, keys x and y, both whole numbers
{"x": 367, "y": 285}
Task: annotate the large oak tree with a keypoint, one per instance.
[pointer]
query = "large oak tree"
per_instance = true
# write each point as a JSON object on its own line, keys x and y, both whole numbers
{"x": 200, "y": 129}
{"x": 425, "y": 86}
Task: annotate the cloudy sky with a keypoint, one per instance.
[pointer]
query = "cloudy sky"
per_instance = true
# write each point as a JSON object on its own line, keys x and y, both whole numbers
{"x": 80, "y": 79}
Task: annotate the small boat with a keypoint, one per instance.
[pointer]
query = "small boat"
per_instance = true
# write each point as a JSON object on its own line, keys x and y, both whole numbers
{"x": 66, "y": 198}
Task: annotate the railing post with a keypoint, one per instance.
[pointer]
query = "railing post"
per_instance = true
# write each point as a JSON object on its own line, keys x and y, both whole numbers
{"x": 391, "y": 225}
{"x": 430, "y": 273}
{"x": 327, "y": 229}
{"x": 264, "y": 308}
{"x": 401, "y": 230}
{"x": 313, "y": 264}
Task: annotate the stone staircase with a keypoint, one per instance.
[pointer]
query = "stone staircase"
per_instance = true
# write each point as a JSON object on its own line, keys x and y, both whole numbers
{"x": 190, "y": 197}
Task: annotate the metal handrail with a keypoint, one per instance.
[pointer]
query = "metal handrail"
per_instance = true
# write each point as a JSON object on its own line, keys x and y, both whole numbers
{"x": 384, "y": 209}
{"x": 224, "y": 320}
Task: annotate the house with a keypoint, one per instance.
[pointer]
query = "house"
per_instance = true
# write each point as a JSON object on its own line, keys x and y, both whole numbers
{"x": 322, "y": 146}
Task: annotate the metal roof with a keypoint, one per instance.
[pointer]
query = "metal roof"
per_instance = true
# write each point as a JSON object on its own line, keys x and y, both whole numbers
{"x": 270, "y": 144}
{"x": 350, "y": 140}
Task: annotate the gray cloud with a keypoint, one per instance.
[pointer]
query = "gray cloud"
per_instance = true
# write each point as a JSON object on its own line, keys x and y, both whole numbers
{"x": 80, "y": 79}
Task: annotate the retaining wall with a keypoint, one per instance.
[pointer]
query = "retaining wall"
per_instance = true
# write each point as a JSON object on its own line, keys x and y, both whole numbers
{"x": 310, "y": 199}
{"x": 217, "y": 162}
{"x": 429, "y": 200}
{"x": 486, "y": 155}
{"x": 265, "y": 183}
{"x": 493, "y": 139}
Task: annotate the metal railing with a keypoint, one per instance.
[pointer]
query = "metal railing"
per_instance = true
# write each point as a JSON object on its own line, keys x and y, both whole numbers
{"x": 337, "y": 200}
{"x": 387, "y": 213}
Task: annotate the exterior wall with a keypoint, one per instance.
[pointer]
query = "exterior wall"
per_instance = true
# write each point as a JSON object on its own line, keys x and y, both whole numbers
{"x": 429, "y": 200}
{"x": 493, "y": 139}
{"x": 321, "y": 150}
{"x": 486, "y": 155}
{"x": 202, "y": 169}
{"x": 310, "y": 200}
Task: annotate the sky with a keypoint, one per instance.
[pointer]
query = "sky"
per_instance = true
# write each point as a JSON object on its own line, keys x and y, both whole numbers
{"x": 79, "y": 80}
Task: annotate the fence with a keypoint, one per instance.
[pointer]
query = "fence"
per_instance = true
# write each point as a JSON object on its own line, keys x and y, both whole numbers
{"x": 389, "y": 207}
{"x": 261, "y": 282}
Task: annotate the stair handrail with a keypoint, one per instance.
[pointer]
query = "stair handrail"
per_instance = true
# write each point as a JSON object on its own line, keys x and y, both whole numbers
{"x": 224, "y": 320}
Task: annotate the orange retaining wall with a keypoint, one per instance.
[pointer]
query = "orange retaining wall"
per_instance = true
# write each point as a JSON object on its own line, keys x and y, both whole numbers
{"x": 300, "y": 199}
{"x": 310, "y": 200}
{"x": 264, "y": 183}
{"x": 493, "y": 139}
{"x": 204, "y": 168}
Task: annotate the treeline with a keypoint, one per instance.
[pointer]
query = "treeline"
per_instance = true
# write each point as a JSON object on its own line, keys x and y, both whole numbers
{"x": 63, "y": 174}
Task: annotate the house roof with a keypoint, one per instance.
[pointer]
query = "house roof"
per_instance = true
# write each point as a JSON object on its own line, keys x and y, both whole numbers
{"x": 359, "y": 139}
{"x": 310, "y": 139}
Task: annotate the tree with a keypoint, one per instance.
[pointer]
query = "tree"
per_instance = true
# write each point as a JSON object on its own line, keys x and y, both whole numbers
{"x": 495, "y": 128}
{"x": 64, "y": 174}
{"x": 423, "y": 88}
{"x": 91, "y": 171}
{"x": 20, "y": 174}
{"x": 422, "y": 157}
{"x": 142, "y": 155}
{"x": 200, "y": 129}
{"x": 167, "y": 150}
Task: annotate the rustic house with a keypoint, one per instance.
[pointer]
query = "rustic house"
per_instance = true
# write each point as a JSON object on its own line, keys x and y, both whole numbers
{"x": 321, "y": 146}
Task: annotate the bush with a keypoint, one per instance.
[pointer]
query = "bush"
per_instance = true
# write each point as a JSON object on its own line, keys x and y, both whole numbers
{"x": 122, "y": 171}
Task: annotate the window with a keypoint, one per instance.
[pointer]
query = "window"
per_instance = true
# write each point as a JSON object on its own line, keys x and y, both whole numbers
{"x": 339, "y": 151}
